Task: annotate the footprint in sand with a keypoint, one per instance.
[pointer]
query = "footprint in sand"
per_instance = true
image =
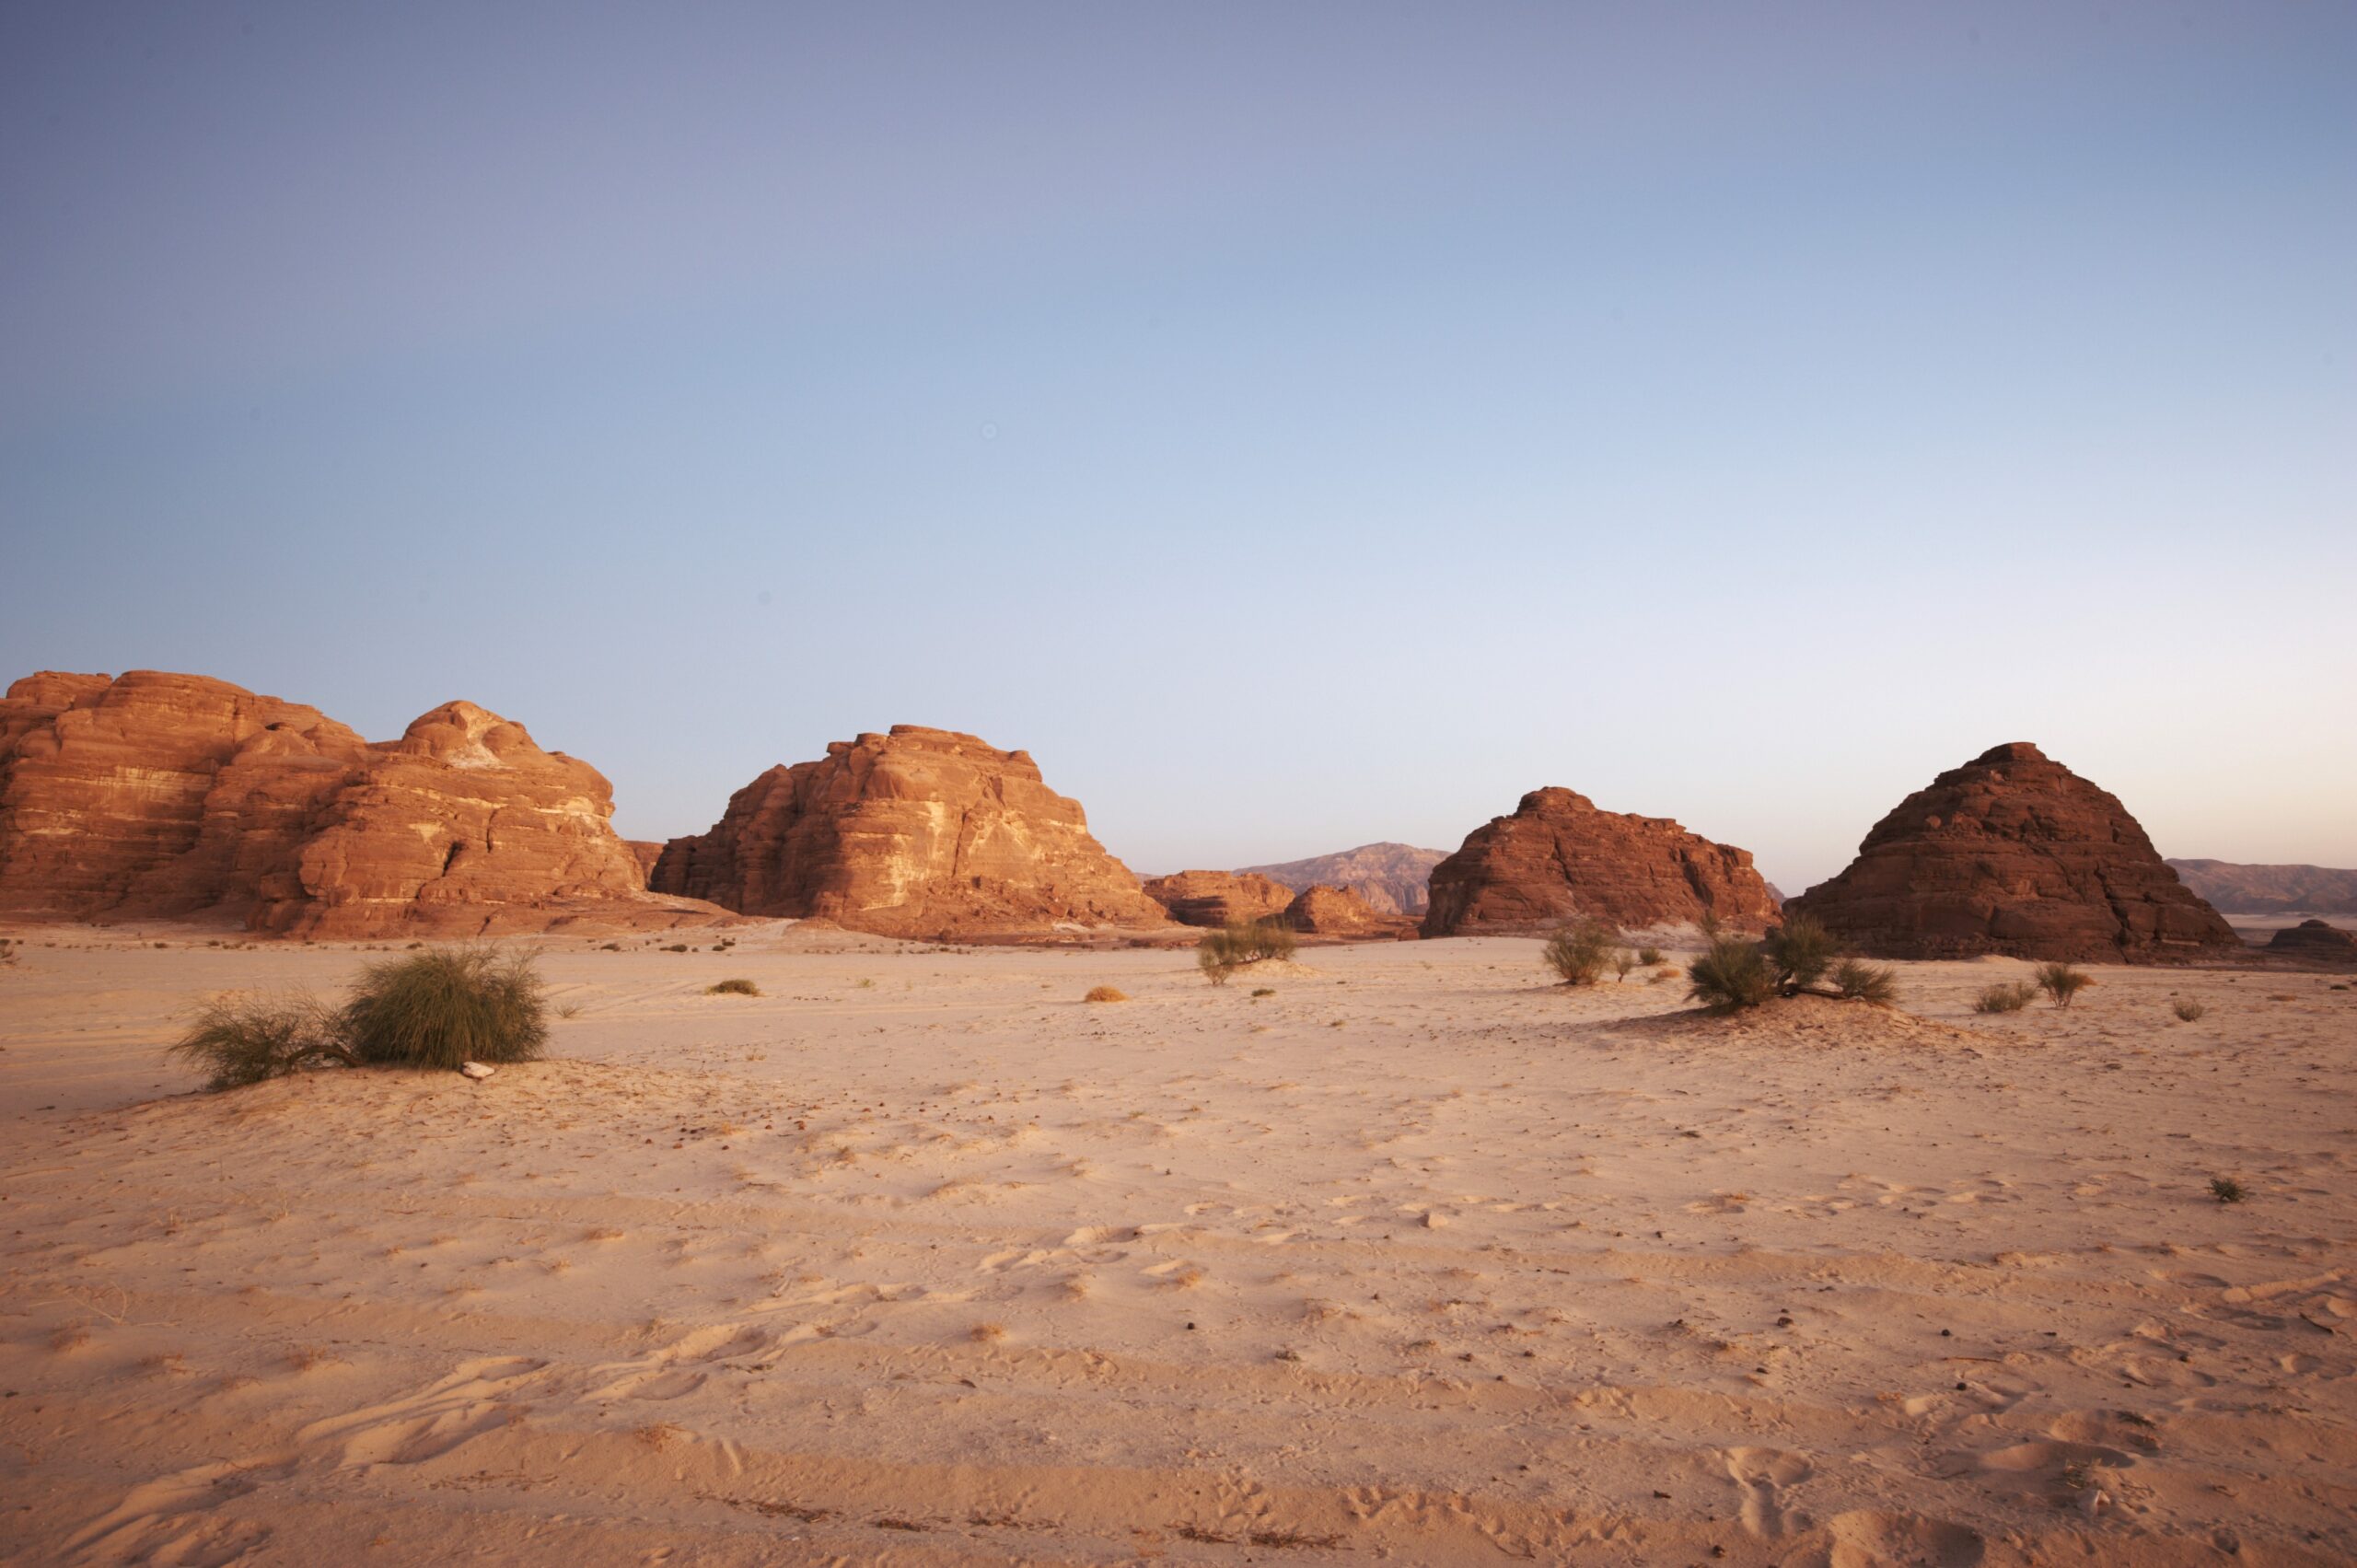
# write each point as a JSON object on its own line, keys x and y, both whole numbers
{"x": 1866, "y": 1538}
{"x": 1763, "y": 1474}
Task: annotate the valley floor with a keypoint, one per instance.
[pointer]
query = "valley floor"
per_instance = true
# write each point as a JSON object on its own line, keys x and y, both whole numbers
{"x": 919, "y": 1259}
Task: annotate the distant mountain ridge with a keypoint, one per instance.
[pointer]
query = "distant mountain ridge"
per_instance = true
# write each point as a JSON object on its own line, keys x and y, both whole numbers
{"x": 2270, "y": 890}
{"x": 1392, "y": 878}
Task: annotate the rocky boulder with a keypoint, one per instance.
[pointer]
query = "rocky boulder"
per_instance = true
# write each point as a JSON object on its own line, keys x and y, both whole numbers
{"x": 918, "y": 832}
{"x": 2014, "y": 854}
{"x": 157, "y": 796}
{"x": 1559, "y": 858}
{"x": 1215, "y": 898}
{"x": 1322, "y": 910}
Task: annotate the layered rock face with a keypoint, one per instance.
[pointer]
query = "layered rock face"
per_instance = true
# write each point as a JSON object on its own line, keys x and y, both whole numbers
{"x": 919, "y": 833}
{"x": 157, "y": 795}
{"x": 1559, "y": 858}
{"x": 1390, "y": 878}
{"x": 1215, "y": 898}
{"x": 1321, "y": 911}
{"x": 2314, "y": 939}
{"x": 2015, "y": 853}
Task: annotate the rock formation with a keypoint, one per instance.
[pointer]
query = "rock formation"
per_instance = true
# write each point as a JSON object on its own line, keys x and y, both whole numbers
{"x": 1215, "y": 898}
{"x": 1558, "y": 858}
{"x": 1322, "y": 910}
{"x": 919, "y": 833}
{"x": 2314, "y": 939}
{"x": 646, "y": 852}
{"x": 157, "y": 796}
{"x": 2270, "y": 890}
{"x": 2015, "y": 853}
{"x": 1391, "y": 878}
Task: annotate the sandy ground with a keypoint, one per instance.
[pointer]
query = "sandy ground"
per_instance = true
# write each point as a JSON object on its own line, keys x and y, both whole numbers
{"x": 917, "y": 1259}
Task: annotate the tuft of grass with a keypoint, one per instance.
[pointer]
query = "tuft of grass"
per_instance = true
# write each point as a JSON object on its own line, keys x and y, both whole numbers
{"x": 1623, "y": 960}
{"x": 2226, "y": 1189}
{"x": 1730, "y": 973}
{"x": 2187, "y": 1011}
{"x": 446, "y": 1005}
{"x": 2061, "y": 982}
{"x": 1648, "y": 956}
{"x": 1240, "y": 942}
{"x": 1106, "y": 994}
{"x": 1579, "y": 952}
{"x": 240, "y": 1040}
{"x": 1801, "y": 950}
{"x": 2007, "y": 996}
{"x": 1861, "y": 981}
{"x": 736, "y": 986}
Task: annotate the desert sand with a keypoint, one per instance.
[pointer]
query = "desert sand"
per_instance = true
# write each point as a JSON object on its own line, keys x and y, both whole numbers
{"x": 919, "y": 1259}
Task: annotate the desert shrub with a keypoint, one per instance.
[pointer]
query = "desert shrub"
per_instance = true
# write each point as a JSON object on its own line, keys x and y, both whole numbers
{"x": 1579, "y": 952}
{"x": 677, "y": 948}
{"x": 1801, "y": 950}
{"x": 447, "y": 1005}
{"x": 2187, "y": 1011}
{"x": 240, "y": 1040}
{"x": 2226, "y": 1189}
{"x": 1240, "y": 942}
{"x": 2007, "y": 996}
{"x": 1729, "y": 973}
{"x": 1647, "y": 957}
{"x": 735, "y": 986}
{"x": 1623, "y": 960}
{"x": 1861, "y": 981}
{"x": 2061, "y": 982}
{"x": 1106, "y": 994}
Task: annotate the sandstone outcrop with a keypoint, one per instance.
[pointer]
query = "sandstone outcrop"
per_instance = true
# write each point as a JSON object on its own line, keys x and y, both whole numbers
{"x": 1391, "y": 878}
{"x": 1559, "y": 858}
{"x": 2314, "y": 939}
{"x": 1215, "y": 898}
{"x": 646, "y": 852}
{"x": 918, "y": 832}
{"x": 1321, "y": 911}
{"x": 157, "y": 795}
{"x": 2015, "y": 853}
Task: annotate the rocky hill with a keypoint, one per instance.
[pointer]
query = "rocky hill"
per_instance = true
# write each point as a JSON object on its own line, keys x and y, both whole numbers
{"x": 2015, "y": 853}
{"x": 918, "y": 832}
{"x": 2270, "y": 890}
{"x": 1390, "y": 878}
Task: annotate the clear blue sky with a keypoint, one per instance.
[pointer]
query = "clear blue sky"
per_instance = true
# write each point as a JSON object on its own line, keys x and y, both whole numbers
{"x": 1295, "y": 424}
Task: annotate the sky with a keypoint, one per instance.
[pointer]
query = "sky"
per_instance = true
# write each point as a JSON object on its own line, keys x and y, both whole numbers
{"x": 1295, "y": 424}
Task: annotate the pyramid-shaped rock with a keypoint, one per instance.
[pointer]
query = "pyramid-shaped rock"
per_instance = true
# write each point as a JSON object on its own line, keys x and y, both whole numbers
{"x": 921, "y": 833}
{"x": 2015, "y": 853}
{"x": 1559, "y": 858}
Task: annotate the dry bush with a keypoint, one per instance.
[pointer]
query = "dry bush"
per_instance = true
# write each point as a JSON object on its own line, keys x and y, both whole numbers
{"x": 447, "y": 1005}
{"x": 1240, "y": 942}
{"x": 2007, "y": 996}
{"x": 1579, "y": 952}
{"x": 240, "y": 1040}
{"x": 1730, "y": 973}
{"x": 1648, "y": 956}
{"x": 2187, "y": 1011}
{"x": 1106, "y": 994}
{"x": 1623, "y": 960}
{"x": 2061, "y": 982}
{"x": 736, "y": 986}
{"x": 1877, "y": 983}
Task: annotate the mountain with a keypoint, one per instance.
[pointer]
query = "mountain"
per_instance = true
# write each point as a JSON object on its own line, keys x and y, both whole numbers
{"x": 1390, "y": 877}
{"x": 2271, "y": 890}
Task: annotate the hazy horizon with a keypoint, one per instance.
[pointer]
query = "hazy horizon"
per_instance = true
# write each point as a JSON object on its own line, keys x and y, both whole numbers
{"x": 1297, "y": 428}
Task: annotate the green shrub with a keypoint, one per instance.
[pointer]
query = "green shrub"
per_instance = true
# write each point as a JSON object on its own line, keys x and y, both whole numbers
{"x": 447, "y": 1005}
{"x": 1623, "y": 960}
{"x": 2009, "y": 996}
{"x": 244, "y": 1039}
{"x": 1730, "y": 973}
{"x": 2226, "y": 1189}
{"x": 733, "y": 987}
{"x": 1877, "y": 983}
{"x": 1648, "y": 956}
{"x": 1240, "y": 942}
{"x": 1579, "y": 952}
{"x": 2061, "y": 982}
{"x": 1801, "y": 950}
